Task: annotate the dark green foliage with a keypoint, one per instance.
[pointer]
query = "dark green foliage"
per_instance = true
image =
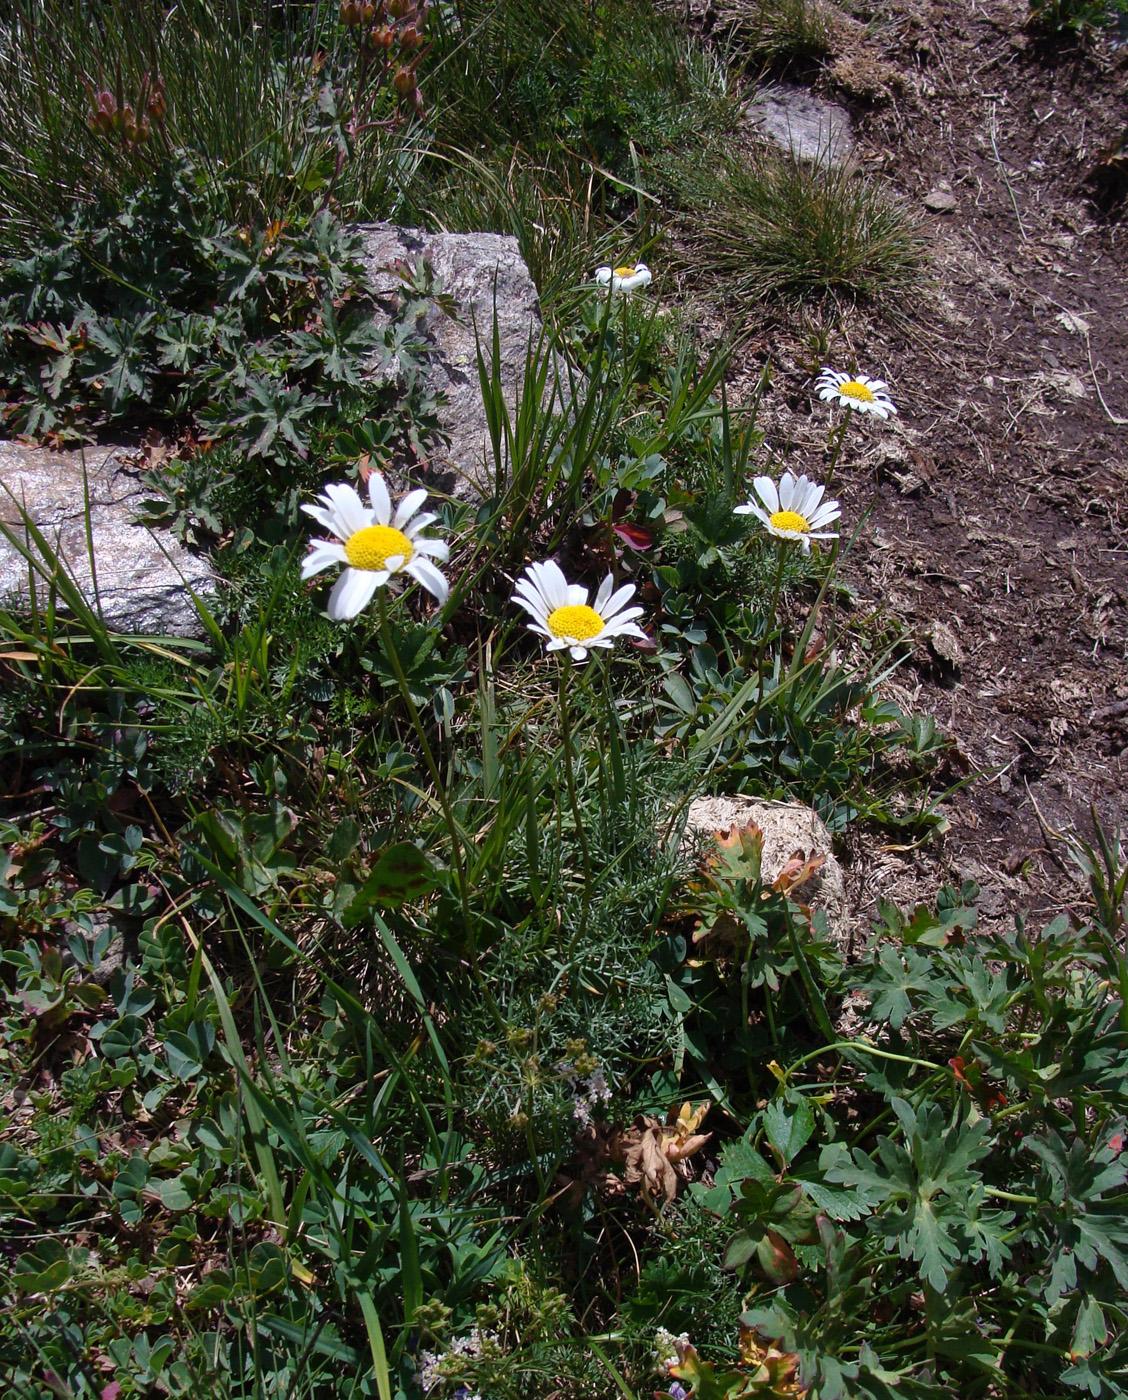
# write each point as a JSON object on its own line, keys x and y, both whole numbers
{"x": 342, "y": 967}
{"x": 165, "y": 308}
{"x": 607, "y": 76}
{"x": 1085, "y": 18}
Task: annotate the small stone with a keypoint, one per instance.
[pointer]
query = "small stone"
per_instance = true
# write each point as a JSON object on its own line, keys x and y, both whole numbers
{"x": 947, "y": 654}
{"x": 788, "y": 827}
{"x": 940, "y": 200}
{"x": 1074, "y": 324}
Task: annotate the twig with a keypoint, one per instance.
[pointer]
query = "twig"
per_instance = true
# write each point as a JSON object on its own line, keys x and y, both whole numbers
{"x": 1112, "y": 418}
{"x": 1006, "y": 177}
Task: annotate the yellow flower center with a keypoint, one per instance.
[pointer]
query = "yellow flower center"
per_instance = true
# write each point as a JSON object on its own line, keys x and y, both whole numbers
{"x": 372, "y": 546}
{"x": 624, "y": 272}
{"x": 575, "y": 620}
{"x": 853, "y": 390}
{"x": 791, "y": 520}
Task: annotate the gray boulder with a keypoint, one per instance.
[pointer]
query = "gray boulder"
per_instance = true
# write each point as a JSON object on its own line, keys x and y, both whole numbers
{"x": 473, "y": 269}
{"x": 805, "y": 126}
{"x": 141, "y": 576}
{"x": 788, "y": 827}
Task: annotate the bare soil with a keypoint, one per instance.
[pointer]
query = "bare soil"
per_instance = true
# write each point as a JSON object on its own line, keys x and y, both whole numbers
{"x": 999, "y": 496}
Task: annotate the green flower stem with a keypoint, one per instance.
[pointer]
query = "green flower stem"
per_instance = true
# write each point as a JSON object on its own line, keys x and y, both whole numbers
{"x": 866, "y": 1050}
{"x": 432, "y": 769}
{"x": 834, "y": 441}
{"x": 770, "y": 615}
{"x": 998, "y": 1195}
{"x": 566, "y": 673}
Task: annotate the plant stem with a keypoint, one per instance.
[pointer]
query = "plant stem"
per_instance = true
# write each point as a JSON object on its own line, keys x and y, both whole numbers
{"x": 769, "y": 618}
{"x": 432, "y": 769}
{"x": 566, "y": 671}
{"x": 998, "y": 1195}
{"x": 835, "y": 439}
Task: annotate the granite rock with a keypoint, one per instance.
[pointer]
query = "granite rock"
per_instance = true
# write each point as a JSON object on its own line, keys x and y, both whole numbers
{"x": 805, "y": 126}
{"x": 477, "y": 271}
{"x": 788, "y": 827}
{"x": 143, "y": 576}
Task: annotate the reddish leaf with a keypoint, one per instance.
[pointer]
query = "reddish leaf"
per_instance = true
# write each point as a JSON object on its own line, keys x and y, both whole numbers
{"x": 635, "y": 536}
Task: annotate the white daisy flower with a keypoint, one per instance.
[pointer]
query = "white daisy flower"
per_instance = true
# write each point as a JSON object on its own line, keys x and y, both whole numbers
{"x": 855, "y": 391}
{"x": 374, "y": 545}
{"x": 561, "y": 612}
{"x": 624, "y": 279}
{"x": 793, "y": 511}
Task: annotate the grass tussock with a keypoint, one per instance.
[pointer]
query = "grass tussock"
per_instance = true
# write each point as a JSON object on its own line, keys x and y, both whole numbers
{"x": 776, "y": 34}
{"x": 766, "y": 227}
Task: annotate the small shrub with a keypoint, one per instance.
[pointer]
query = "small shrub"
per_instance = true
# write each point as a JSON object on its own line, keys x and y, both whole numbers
{"x": 770, "y": 228}
{"x": 1084, "y": 18}
{"x": 255, "y": 337}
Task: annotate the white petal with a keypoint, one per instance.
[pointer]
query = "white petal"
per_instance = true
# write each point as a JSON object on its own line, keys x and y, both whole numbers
{"x": 408, "y": 506}
{"x": 424, "y": 572}
{"x": 789, "y": 490}
{"x": 349, "y": 510}
{"x": 412, "y": 528}
{"x": 552, "y": 583}
{"x": 801, "y": 494}
{"x": 617, "y": 600}
{"x": 381, "y": 501}
{"x": 619, "y": 626}
{"x": 579, "y": 653}
{"x": 760, "y": 514}
{"x": 434, "y": 549}
{"x": 603, "y": 275}
{"x": 557, "y": 644}
{"x": 765, "y": 488}
{"x": 321, "y": 556}
{"x": 528, "y": 587}
{"x": 534, "y": 609}
{"x": 531, "y": 598}
{"x": 577, "y": 595}
{"x": 602, "y": 595}
{"x": 353, "y": 591}
{"x": 394, "y": 563}
{"x": 325, "y": 516}
{"x": 627, "y": 615}
{"x": 828, "y": 511}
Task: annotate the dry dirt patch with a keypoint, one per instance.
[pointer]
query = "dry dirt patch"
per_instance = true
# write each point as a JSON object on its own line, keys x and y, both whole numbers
{"x": 1000, "y": 497}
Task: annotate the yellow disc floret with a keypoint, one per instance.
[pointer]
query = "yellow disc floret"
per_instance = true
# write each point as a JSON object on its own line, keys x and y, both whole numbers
{"x": 576, "y": 622}
{"x": 624, "y": 272}
{"x": 790, "y": 520}
{"x": 372, "y": 546}
{"x": 853, "y": 390}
